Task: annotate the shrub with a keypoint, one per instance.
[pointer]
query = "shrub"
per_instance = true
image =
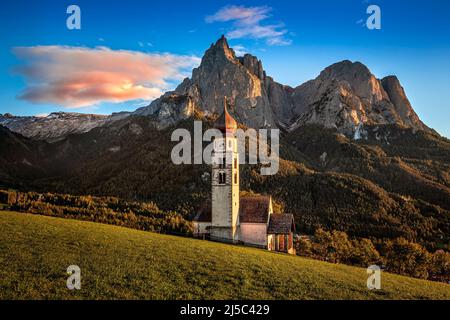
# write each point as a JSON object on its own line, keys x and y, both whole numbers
{"x": 407, "y": 258}
{"x": 440, "y": 265}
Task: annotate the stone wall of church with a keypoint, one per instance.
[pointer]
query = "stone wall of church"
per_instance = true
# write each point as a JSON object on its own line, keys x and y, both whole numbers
{"x": 224, "y": 234}
{"x": 254, "y": 233}
{"x": 201, "y": 228}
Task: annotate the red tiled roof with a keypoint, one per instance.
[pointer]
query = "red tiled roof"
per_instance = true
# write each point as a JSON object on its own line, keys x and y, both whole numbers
{"x": 254, "y": 209}
{"x": 281, "y": 224}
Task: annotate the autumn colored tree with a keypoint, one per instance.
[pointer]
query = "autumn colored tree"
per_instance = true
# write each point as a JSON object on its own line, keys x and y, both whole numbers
{"x": 407, "y": 258}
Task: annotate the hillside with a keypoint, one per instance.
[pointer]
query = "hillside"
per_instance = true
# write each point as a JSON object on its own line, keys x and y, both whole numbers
{"x": 120, "y": 263}
{"x": 380, "y": 186}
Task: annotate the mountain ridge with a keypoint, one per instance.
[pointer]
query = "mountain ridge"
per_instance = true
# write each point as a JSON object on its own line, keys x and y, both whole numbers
{"x": 345, "y": 96}
{"x": 57, "y": 125}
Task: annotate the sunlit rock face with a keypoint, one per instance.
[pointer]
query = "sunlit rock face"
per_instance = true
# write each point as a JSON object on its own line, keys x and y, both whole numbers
{"x": 344, "y": 96}
{"x": 347, "y": 95}
{"x": 220, "y": 74}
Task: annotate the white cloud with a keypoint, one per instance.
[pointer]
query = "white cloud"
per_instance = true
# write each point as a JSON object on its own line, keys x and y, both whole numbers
{"x": 80, "y": 77}
{"x": 247, "y": 23}
{"x": 240, "y": 50}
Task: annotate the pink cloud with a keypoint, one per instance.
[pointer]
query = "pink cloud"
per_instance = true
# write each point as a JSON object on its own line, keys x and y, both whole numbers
{"x": 81, "y": 77}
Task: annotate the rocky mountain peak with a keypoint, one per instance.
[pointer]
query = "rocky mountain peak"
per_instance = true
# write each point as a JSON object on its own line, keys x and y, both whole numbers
{"x": 220, "y": 74}
{"x": 219, "y": 52}
{"x": 345, "y": 96}
{"x": 344, "y": 69}
{"x": 356, "y": 77}
{"x": 392, "y": 84}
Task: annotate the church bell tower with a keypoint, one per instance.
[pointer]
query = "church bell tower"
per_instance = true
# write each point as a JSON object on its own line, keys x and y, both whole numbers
{"x": 225, "y": 181}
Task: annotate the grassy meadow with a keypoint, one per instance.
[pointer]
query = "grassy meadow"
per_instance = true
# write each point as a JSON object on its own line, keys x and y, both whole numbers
{"x": 121, "y": 263}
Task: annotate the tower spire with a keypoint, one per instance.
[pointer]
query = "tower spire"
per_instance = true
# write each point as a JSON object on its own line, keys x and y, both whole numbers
{"x": 226, "y": 122}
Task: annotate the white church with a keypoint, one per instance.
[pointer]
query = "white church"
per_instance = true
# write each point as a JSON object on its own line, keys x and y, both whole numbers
{"x": 229, "y": 218}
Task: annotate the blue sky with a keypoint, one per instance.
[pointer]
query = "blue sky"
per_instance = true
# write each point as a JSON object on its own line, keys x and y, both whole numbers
{"x": 303, "y": 38}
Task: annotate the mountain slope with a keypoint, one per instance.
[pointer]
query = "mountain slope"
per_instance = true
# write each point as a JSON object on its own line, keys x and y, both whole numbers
{"x": 326, "y": 179}
{"x": 20, "y": 158}
{"x": 347, "y": 95}
{"x": 56, "y": 125}
{"x": 344, "y": 96}
{"x": 119, "y": 263}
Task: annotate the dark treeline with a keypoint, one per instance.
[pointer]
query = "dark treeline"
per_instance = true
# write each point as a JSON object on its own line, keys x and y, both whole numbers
{"x": 108, "y": 210}
{"x": 396, "y": 255}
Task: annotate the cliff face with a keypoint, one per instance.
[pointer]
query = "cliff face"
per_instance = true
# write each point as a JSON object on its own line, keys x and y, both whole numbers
{"x": 402, "y": 106}
{"x": 345, "y": 96}
{"x": 220, "y": 74}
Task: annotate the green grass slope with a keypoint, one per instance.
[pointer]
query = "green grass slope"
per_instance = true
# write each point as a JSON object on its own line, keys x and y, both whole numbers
{"x": 120, "y": 263}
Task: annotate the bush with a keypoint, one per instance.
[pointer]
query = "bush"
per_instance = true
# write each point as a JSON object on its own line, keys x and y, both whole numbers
{"x": 407, "y": 258}
{"x": 336, "y": 247}
{"x": 440, "y": 266}
{"x": 364, "y": 253}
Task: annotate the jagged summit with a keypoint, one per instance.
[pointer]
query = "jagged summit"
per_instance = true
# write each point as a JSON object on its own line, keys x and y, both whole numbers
{"x": 345, "y": 96}
{"x": 220, "y": 74}
{"x": 219, "y": 51}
